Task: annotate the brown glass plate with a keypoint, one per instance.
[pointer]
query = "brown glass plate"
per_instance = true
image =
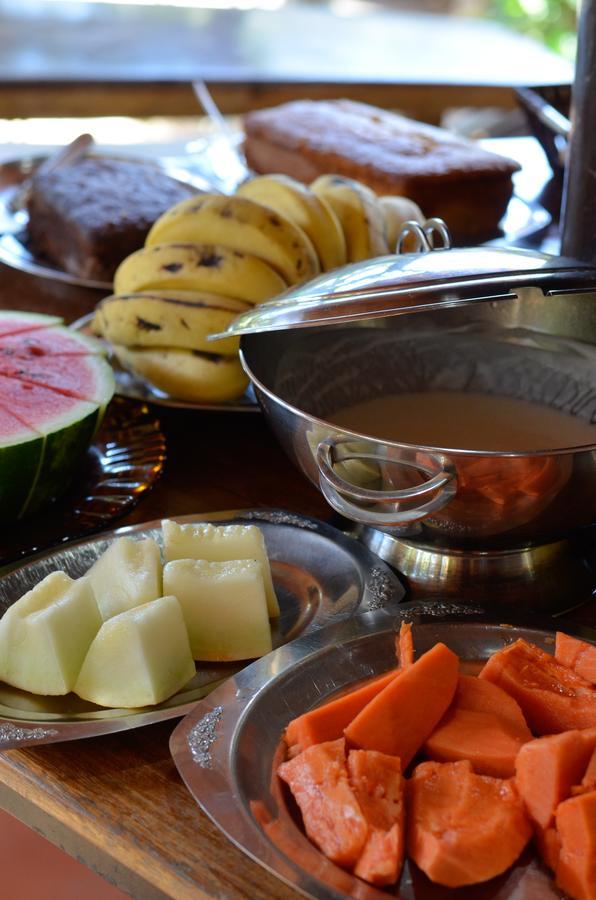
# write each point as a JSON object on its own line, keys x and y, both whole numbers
{"x": 125, "y": 459}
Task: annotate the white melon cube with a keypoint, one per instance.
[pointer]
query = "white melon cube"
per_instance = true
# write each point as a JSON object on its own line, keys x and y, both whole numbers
{"x": 220, "y": 543}
{"x": 45, "y": 635}
{"x": 139, "y": 657}
{"x": 126, "y": 575}
{"x": 224, "y": 606}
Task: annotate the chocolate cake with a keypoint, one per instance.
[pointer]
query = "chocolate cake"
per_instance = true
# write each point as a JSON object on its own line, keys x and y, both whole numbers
{"x": 86, "y": 217}
{"x": 445, "y": 175}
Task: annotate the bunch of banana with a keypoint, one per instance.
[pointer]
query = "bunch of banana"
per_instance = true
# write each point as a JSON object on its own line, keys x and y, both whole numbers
{"x": 212, "y": 256}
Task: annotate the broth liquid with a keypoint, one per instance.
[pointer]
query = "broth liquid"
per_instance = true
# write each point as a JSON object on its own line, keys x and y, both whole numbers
{"x": 461, "y": 420}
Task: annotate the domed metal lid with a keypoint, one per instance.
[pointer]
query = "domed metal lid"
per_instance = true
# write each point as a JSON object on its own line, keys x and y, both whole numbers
{"x": 410, "y": 282}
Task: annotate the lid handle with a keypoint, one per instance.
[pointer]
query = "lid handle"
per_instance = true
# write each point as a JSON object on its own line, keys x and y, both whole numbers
{"x": 424, "y": 236}
{"x": 355, "y": 502}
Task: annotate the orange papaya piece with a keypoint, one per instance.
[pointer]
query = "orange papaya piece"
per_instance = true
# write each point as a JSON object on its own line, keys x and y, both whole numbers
{"x": 318, "y": 780}
{"x": 404, "y": 646}
{"x": 378, "y": 786}
{"x": 576, "y": 825}
{"x": 552, "y": 697}
{"x": 327, "y": 722}
{"x": 548, "y": 845}
{"x": 463, "y": 828}
{"x": 589, "y": 779}
{"x": 482, "y": 738}
{"x": 483, "y": 724}
{"x": 404, "y": 714}
{"x": 479, "y": 695}
{"x": 577, "y": 655}
{"x": 547, "y": 768}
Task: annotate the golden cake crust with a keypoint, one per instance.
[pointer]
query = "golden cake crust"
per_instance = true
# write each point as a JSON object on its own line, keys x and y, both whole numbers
{"x": 447, "y": 176}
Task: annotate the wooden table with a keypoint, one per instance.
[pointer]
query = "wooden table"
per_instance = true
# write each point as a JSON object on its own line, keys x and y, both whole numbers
{"x": 117, "y": 802}
{"x": 75, "y": 59}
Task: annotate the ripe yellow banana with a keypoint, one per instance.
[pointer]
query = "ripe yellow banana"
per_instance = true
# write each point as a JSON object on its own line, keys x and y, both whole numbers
{"x": 186, "y": 374}
{"x": 241, "y": 225}
{"x": 199, "y": 267}
{"x": 169, "y": 319}
{"x": 357, "y": 208}
{"x": 298, "y": 203}
{"x": 396, "y": 211}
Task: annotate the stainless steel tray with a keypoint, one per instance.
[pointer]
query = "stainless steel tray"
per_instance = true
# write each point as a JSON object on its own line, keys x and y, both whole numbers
{"x": 214, "y": 746}
{"x": 137, "y": 388}
{"x": 320, "y": 576}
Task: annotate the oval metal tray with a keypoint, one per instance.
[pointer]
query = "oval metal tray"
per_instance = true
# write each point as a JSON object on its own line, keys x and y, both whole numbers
{"x": 133, "y": 386}
{"x": 214, "y": 747}
{"x": 320, "y": 576}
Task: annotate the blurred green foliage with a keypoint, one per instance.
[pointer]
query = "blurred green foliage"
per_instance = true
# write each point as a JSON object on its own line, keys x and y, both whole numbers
{"x": 553, "y": 22}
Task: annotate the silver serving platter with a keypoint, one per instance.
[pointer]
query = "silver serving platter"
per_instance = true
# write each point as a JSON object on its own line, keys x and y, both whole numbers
{"x": 320, "y": 576}
{"x": 214, "y": 746}
{"x": 128, "y": 384}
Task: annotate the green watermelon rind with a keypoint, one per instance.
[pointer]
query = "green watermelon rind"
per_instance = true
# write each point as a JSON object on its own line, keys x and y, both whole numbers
{"x": 20, "y": 464}
{"x": 34, "y": 319}
{"x": 64, "y": 449}
{"x": 36, "y": 470}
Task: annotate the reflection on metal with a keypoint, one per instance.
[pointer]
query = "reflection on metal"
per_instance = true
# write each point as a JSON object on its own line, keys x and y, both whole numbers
{"x": 202, "y": 736}
{"x": 553, "y": 577}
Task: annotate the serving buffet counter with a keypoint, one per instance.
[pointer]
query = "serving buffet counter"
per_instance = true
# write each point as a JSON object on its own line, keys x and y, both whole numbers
{"x": 116, "y": 802}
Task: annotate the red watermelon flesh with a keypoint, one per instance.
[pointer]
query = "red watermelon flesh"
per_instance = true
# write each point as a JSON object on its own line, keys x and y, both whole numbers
{"x": 38, "y": 406}
{"x": 48, "y": 341}
{"x": 13, "y": 321}
{"x": 54, "y": 387}
{"x": 84, "y": 377}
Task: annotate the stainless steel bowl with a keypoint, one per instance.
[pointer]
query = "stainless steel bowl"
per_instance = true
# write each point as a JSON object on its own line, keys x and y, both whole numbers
{"x": 525, "y": 345}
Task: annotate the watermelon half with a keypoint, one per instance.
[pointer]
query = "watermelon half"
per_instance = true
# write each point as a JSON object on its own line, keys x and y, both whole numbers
{"x": 54, "y": 388}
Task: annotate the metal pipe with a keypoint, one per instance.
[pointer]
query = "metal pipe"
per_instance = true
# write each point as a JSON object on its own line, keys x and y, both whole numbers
{"x": 579, "y": 194}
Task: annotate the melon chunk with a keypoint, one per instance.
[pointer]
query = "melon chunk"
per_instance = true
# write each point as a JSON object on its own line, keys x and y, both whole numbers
{"x": 138, "y": 658}
{"x": 220, "y": 543}
{"x": 224, "y": 606}
{"x": 126, "y": 575}
{"x": 45, "y": 635}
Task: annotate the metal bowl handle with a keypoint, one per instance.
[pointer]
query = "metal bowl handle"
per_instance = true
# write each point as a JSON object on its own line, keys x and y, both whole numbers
{"x": 346, "y": 498}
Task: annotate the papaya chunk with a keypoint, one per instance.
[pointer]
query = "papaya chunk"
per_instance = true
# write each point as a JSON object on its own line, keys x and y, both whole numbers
{"x": 327, "y": 722}
{"x": 547, "y": 768}
{"x": 404, "y": 646}
{"x": 482, "y": 738}
{"x": 318, "y": 779}
{"x": 378, "y": 786}
{"x": 589, "y": 780}
{"x": 577, "y": 655}
{"x": 483, "y": 696}
{"x": 552, "y": 697}
{"x": 484, "y": 725}
{"x": 463, "y": 828}
{"x": 576, "y": 825}
{"x": 548, "y": 845}
{"x": 404, "y": 714}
